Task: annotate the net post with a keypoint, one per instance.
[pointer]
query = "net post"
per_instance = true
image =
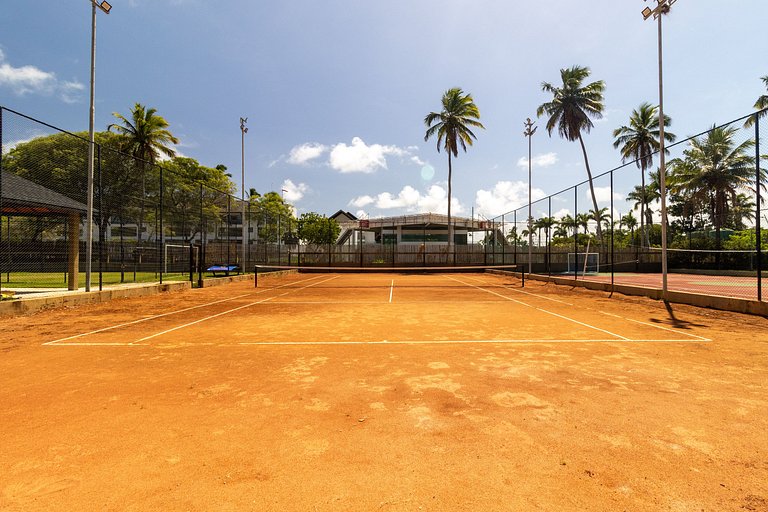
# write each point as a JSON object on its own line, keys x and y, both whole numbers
{"x": 255, "y": 276}
{"x": 522, "y": 273}
{"x": 758, "y": 234}
{"x": 191, "y": 265}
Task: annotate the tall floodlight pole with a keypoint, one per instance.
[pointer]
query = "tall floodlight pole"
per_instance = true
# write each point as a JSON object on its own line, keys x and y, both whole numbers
{"x": 529, "y": 131}
{"x": 106, "y": 7}
{"x": 658, "y": 13}
{"x": 243, "y": 131}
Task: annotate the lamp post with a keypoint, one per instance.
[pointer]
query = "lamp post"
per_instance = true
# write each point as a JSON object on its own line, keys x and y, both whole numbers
{"x": 661, "y": 9}
{"x": 106, "y": 7}
{"x": 243, "y": 131}
{"x": 529, "y": 131}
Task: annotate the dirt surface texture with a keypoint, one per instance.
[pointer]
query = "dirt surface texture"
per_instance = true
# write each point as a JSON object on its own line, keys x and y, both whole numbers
{"x": 384, "y": 392}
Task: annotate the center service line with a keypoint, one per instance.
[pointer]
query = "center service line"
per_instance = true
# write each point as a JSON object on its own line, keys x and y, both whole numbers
{"x": 391, "y": 289}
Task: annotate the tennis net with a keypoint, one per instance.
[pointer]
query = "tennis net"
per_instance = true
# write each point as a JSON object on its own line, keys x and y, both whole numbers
{"x": 372, "y": 277}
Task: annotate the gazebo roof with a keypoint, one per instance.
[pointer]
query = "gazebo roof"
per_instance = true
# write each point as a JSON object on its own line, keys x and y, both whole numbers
{"x": 21, "y": 196}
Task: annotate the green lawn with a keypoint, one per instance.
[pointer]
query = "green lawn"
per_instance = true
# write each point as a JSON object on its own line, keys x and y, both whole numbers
{"x": 58, "y": 279}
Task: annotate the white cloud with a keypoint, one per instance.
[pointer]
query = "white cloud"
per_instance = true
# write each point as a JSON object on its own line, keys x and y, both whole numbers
{"x": 434, "y": 200}
{"x": 503, "y": 197}
{"x": 545, "y": 160}
{"x": 301, "y": 155}
{"x": 603, "y": 195}
{"x": 32, "y": 80}
{"x": 360, "y": 157}
{"x": 294, "y": 192}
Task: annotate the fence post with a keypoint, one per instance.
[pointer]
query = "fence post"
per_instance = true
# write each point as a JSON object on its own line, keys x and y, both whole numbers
{"x": 201, "y": 252}
{"x": 1, "y": 192}
{"x": 612, "y": 240}
{"x": 161, "y": 233}
{"x": 102, "y": 226}
{"x": 576, "y": 233}
{"x": 758, "y": 236}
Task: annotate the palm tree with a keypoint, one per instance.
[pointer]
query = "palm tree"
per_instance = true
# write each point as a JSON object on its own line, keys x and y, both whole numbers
{"x": 546, "y": 223}
{"x": 643, "y": 197}
{"x": 630, "y": 221}
{"x": 714, "y": 169}
{"x": 639, "y": 141}
{"x": 147, "y": 139}
{"x": 569, "y": 223}
{"x": 570, "y": 111}
{"x": 601, "y": 216}
{"x": 452, "y": 126}
{"x": 760, "y": 104}
{"x": 582, "y": 219}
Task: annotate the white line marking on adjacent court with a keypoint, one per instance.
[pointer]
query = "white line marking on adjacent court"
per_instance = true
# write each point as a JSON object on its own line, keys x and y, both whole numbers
{"x": 613, "y": 315}
{"x": 210, "y": 317}
{"x": 153, "y": 317}
{"x": 391, "y": 290}
{"x": 539, "y": 309}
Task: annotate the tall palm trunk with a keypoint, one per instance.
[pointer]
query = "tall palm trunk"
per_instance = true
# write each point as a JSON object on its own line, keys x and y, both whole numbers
{"x": 591, "y": 187}
{"x": 450, "y": 225}
{"x": 643, "y": 231}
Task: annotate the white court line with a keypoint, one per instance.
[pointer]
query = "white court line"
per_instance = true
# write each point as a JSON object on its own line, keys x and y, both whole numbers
{"x": 134, "y": 322}
{"x": 540, "y": 309}
{"x": 613, "y": 315}
{"x": 391, "y": 289}
{"x": 145, "y": 338}
{"x": 449, "y": 342}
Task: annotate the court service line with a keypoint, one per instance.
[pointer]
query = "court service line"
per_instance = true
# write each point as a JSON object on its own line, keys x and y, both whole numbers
{"x": 540, "y": 309}
{"x": 154, "y": 317}
{"x": 210, "y": 317}
{"x": 701, "y": 338}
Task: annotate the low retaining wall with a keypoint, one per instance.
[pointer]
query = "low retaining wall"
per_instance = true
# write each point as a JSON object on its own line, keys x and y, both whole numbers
{"x": 24, "y": 306}
{"x": 752, "y": 307}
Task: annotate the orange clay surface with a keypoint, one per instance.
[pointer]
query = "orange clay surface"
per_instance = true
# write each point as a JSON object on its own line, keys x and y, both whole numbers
{"x": 385, "y": 392}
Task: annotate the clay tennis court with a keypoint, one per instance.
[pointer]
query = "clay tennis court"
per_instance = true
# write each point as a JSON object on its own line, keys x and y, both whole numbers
{"x": 726, "y": 286}
{"x": 386, "y": 391}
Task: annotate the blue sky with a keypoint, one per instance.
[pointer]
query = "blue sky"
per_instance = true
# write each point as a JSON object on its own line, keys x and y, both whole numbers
{"x": 335, "y": 92}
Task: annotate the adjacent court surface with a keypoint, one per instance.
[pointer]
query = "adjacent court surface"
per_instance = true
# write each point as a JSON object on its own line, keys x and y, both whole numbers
{"x": 384, "y": 391}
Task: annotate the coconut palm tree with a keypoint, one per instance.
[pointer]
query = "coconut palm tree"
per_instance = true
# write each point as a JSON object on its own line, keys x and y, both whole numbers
{"x": 546, "y": 223}
{"x": 572, "y": 109}
{"x": 760, "y": 104}
{"x": 639, "y": 141}
{"x": 601, "y": 216}
{"x": 147, "y": 138}
{"x": 569, "y": 222}
{"x": 642, "y": 198}
{"x": 452, "y": 127}
{"x": 715, "y": 170}
{"x": 582, "y": 220}
{"x": 630, "y": 222}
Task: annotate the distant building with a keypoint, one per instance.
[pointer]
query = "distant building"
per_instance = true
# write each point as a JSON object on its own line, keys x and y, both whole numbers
{"x": 423, "y": 228}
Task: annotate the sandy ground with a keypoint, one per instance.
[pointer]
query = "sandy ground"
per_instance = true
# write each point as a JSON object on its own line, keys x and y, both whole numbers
{"x": 483, "y": 397}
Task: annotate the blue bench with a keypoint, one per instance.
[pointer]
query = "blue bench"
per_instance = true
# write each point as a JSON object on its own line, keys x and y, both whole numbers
{"x": 226, "y": 269}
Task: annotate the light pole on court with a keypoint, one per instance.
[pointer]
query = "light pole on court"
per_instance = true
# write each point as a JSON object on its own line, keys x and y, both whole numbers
{"x": 243, "y": 131}
{"x": 529, "y": 131}
{"x": 662, "y": 8}
{"x": 106, "y": 7}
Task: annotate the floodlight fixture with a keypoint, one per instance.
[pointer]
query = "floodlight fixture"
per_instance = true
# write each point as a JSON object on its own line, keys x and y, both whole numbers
{"x": 104, "y": 6}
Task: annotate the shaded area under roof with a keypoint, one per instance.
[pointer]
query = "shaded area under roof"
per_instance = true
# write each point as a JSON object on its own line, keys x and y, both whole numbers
{"x": 21, "y": 196}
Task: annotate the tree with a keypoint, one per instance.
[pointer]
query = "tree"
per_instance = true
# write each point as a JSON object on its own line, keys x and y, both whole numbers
{"x": 147, "y": 138}
{"x": 545, "y": 223}
{"x": 601, "y": 216}
{"x": 274, "y": 217}
{"x": 572, "y": 106}
{"x": 643, "y": 197}
{"x": 715, "y": 169}
{"x": 452, "y": 127}
{"x": 630, "y": 221}
{"x": 569, "y": 222}
{"x": 317, "y": 229}
{"x": 639, "y": 141}
{"x": 760, "y": 104}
